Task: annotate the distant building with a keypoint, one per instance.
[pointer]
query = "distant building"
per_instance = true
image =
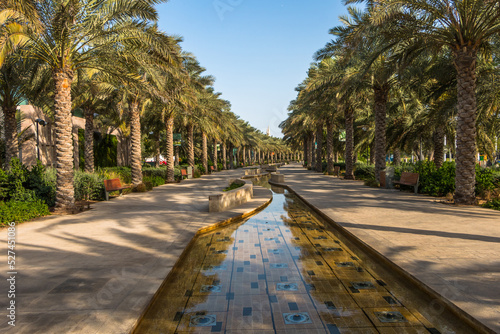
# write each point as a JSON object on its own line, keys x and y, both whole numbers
{"x": 268, "y": 132}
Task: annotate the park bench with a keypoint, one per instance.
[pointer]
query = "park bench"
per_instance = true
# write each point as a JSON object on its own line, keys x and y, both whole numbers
{"x": 408, "y": 179}
{"x": 336, "y": 171}
{"x": 113, "y": 185}
{"x": 212, "y": 169}
{"x": 184, "y": 173}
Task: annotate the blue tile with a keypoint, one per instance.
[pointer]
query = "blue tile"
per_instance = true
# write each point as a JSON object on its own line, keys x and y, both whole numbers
{"x": 273, "y": 299}
{"x": 253, "y": 256}
{"x": 246, "y": 263}
{"x": 262, "y": 276}
{"x": 230, "y": 296}
{"x": 247, "y": 311}
{"x": 239, "y": 269}
{"x": 293, "y": 306}
{"x": 284, "y": 278}
{"x": 265, "y": 260}
{"x": 254, "y": 285}
{"x": 217, "y": 327}
{"x": 241, "y": 241}
{"x": 333, "y": 329}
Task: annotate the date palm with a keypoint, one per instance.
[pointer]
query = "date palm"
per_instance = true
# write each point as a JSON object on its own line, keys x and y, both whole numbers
{"x": 75, "y": 34}
{"x": 467, "y": 28}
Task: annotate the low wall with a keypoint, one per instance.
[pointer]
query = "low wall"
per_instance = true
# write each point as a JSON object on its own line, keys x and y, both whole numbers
{"x": 253, "y": 171}
{"x": 277, "y": 178}
{"x": 229, "y": 199}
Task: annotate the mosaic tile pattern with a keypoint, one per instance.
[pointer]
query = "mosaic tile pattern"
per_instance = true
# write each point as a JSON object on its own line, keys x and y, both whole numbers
{"x": 280, "y": 271}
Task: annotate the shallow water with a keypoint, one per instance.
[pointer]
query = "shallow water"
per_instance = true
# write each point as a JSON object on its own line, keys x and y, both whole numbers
{"x": 279, "y": 271}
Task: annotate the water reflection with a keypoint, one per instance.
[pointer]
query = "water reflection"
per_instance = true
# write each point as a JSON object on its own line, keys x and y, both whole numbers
{"x": 277, "y": 271}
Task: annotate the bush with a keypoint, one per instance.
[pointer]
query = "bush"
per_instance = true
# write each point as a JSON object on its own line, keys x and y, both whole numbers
{"x": 341, "y": 164}
{"x": 160, "y": 172}
{"x": 123, "y": 173}
{"x": 493, "y": 204}
{"x": 88, "y": 186}
{"x": 485, "y": 180}
{"x": 155, "y": 181}
{"x": 20, "y": 211}
{"x": 200, "y": 169}
{"x": 363, "y": 171}
{"x": 140, "y": 188}
{"x": 234, "y": 185}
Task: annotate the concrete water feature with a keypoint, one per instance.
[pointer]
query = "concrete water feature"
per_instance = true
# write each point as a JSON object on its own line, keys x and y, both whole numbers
{"x": 283, "y": 270}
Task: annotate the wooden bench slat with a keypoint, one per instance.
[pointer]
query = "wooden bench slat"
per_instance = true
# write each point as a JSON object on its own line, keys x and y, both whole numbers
{"x": 409, "y": 179}
{"x": 113, "y": 185}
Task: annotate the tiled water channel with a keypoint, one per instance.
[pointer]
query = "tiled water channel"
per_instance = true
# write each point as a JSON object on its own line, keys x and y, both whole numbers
{"x": 279, "y": 271}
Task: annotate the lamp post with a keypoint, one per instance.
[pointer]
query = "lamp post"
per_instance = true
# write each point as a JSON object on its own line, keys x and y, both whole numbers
{"x": 42, "y": 123}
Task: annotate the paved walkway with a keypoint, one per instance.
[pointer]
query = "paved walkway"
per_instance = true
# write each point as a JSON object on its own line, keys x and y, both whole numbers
{"x": 454, "y": 250}
{"x": 95, "y": 272}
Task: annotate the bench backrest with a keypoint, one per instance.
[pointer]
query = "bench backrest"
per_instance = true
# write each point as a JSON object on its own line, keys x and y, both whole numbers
{"x": 112, "y": 184}
{"x": 336, "y": 169}
{"x": 382, "y": 178}
{"x": 407, "y": 177}
{"x": 184, "y": 172}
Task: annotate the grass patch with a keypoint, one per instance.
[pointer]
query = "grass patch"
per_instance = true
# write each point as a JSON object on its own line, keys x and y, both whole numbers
{"x": 234, "y": 185}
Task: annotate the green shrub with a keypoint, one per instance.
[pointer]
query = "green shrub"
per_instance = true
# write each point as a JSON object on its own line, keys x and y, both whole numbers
{"x": 363, "y": 171}
{"x": 42, "y": 181}
{"x": 485, "y": 180}
{"x": 493, "y": 204}
{"x": 20, "y": 211}
{"x": 155, "y": 181}
{"x": 123, "y": 173}
{"x": 371, "y": 182}
{"x": 155, "y": 172}
{"x": 341, "y": 164}
{"x": 234, "y": 185}
{"x": 88, "y": 186}
{"x": 140, "y": 188}
{"x": 200, "y": 169}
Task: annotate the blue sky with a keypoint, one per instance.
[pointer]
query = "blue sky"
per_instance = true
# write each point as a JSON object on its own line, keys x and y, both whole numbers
{"x": 257, "y": 50}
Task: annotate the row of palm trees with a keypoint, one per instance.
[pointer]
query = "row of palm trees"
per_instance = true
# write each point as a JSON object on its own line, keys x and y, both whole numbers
{"x": 405, "y": 76}
{"x": 109, "y": 59}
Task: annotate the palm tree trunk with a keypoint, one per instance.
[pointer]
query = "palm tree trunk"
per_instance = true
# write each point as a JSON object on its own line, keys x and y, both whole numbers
{"x": 190, "y": 144}
{"x": 397, "y": 156}
{"x": 465, "y": 63}
{"x": 89, "y": 141}
{"x": 313, "y": 151}
{"x": 215, "y": 155}
{"x": 249, "y": 156}
{"x": 380, "y": 96}
{"x": 169, "y": 123}
{"x": 310, "y": 145}
{"x": 63, "y": 126}
{"x": 177, "y": 154}
{"x": 224, "y": 159}
{"x": 319, "y": 151}
{"x": 204, "y": 152}
{"x": 135, "y": 136}
{"x": 11, "y": 141}
{"x": 244, "y": 156}
{"x": 439, "y": 145}
{"x": 329, "y": 146}
{"x": 231, "y": 156}
{"x": 349, "y": 143}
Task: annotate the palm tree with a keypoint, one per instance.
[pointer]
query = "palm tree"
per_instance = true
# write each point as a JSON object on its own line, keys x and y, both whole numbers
{"x": 75, "y": 36}
{"x": 467, "y": 28}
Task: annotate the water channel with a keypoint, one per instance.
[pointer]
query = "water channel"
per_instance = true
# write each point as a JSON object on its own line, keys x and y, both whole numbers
{"x": 280, "y": 271}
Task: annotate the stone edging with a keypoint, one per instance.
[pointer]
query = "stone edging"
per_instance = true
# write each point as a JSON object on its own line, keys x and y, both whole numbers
{"x": 188, "y": 247}
{"x": 371, "y": 252}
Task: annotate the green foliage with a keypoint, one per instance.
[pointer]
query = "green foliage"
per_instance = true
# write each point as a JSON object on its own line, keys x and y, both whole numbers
{"x": 20, "y": 211}
{"x": 485, "y": 180}
{"x": 105, "y": 149}
{"x": 219, "y": 166}
{"x": 341, "y": 164}
{"x": 21, "y": 184}
{"x": 123, "y": 173}
{"x": 234, "y": 185}
{"x": 371, "y": 182}
{"x": 89, "y": 186}
{"x": 363, "y": 171}
{"x": 432, "y": 181}
{"x": 140, "y": 188}
{"x": 153, "y": 181}
{"x": 200, "y": 169}
{"x": 493, "y": 204}
{"x": 160, "y": 172}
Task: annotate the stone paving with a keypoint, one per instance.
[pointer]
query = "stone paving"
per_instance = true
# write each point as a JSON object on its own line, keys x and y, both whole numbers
{"x": 454, "y": 250}
{"x": 95, "y": 272}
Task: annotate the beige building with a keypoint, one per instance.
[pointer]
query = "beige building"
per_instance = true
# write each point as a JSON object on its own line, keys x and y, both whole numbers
{"x": 28, "y": 149}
